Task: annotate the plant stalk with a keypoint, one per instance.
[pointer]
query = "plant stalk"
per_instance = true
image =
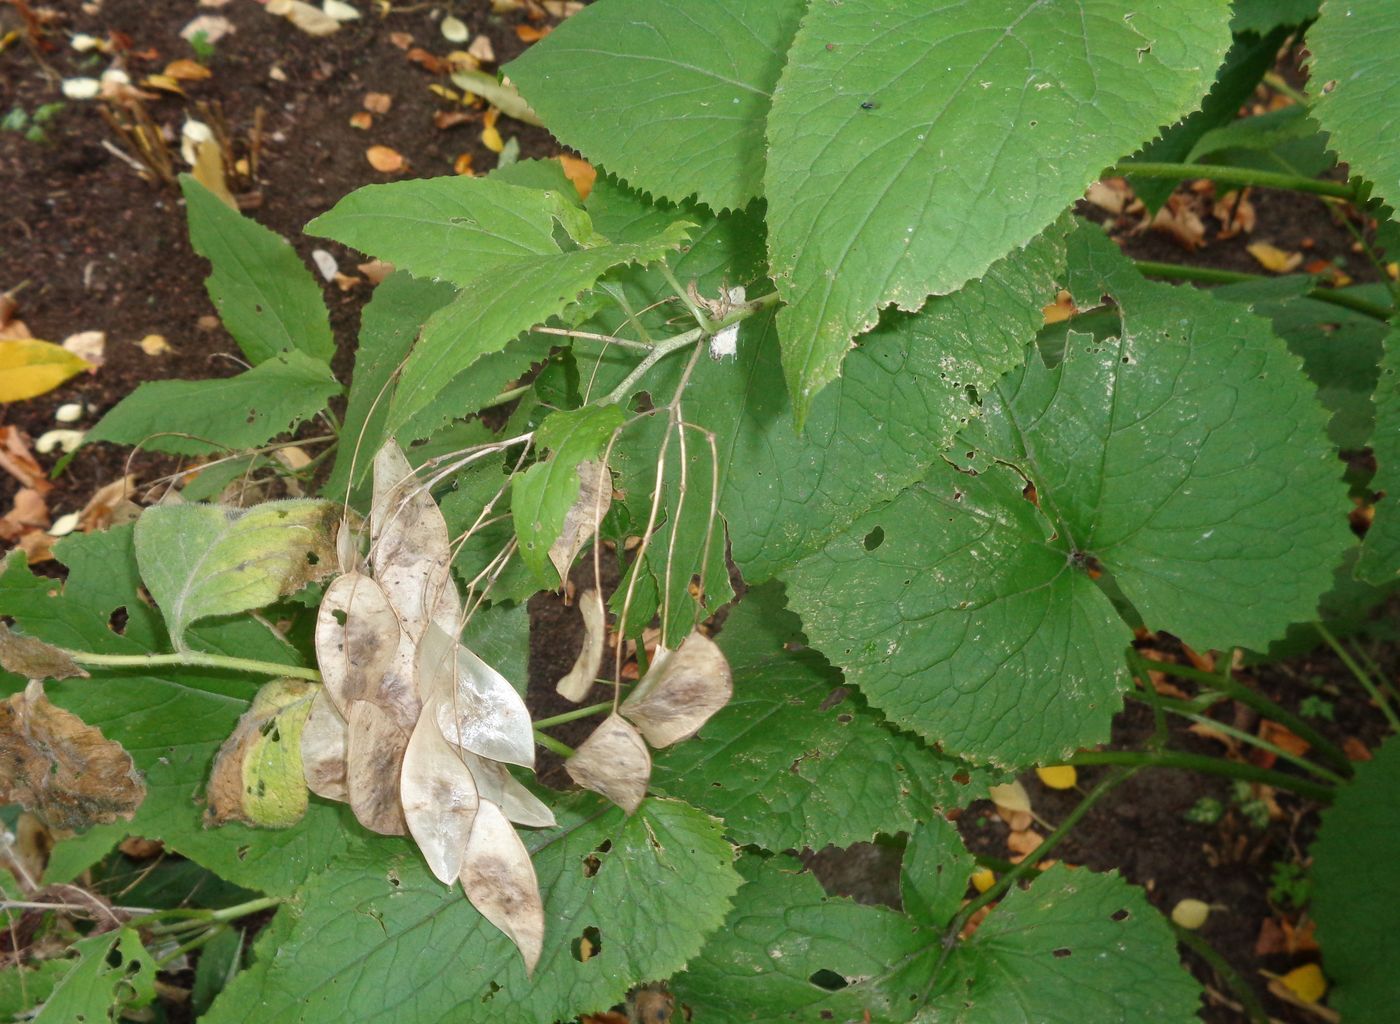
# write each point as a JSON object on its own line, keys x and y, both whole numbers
{"x": 1253, "y": 1009}
{"x": 1207, "y": 765}
{"x": 554, "y": 746}
{"x": 1244, "y": 176}
{"x": 1362, "y": 676}
{"x": 573, "y": 716}
{"x": 197, "y": 659}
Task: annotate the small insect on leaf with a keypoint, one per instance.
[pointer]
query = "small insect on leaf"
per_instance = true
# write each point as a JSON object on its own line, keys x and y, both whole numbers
{"x": 62, "y": 769}
{"x": 474, "y": 706}
{"x": 680, "y": 691}
{"x": 500, "y": 881}
{"x": 374, "y": 758}
{"x": 579, "y": 681}
{"x": 613, "y": 761}
{"x": 324, "y": 737}
{"x": 257, "y": 777}
{"x": 409, "y": 546}
{"x": 439, "y": 798}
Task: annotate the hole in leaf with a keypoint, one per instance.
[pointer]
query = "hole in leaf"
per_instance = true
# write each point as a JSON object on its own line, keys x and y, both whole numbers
{"x": 340, "y": 617}
{"x": 1061, "y": 953}
{"x": 115, "y": 958}
{"x": 829, "y": 980}
{"x": 874, "y": 538}
{"x": 1119, "y": 915}
{"x": 588, "y": 945}
{"x": 491, "y": 992}
{"x": 117, "y": 621}
{"x": 591, "y": 864}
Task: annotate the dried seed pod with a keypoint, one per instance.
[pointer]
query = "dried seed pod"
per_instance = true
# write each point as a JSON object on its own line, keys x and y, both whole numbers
{"x": 474, "y": 705}
{"x": 498, "y": 785}
{"x": 579, "y": 681}
{"x": 323, "y": 749}
{"x": 500, "y": 881}
{"x": 410, "y": 547}
{"x": 593, "y": 501}
{"x": 613, "y": 761}
{"x": 680, "y": 691}
{"x": 439, "y": 796}
{"x": 357, "y": 638}
{"x": 374, "y": 758}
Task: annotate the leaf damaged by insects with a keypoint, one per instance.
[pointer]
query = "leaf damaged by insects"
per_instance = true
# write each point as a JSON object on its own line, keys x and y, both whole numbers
{"x": 613, "y": 761}
{"x": 499, "y": 880}
{"x": 57, "y": 766}
{"x": 258, "y": 777}
{"x": 375, "y": 748}
{"x": 579, "y": 681}
{"x": 680, "y": 691}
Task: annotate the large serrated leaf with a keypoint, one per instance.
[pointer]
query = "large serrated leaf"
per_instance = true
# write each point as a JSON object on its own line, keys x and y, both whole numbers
{"x": 1356, "y": 902}
{"x": 203, "y": 560}
{"x": 201, "y": 417}
{"x": 964, "y": 608}
{"x": 1380, "y": 554}
{"x": 376, "y": 936}
{"x": 1355, "y": 75}
{"x": 909, "y": 149}
{"x": 265, "y": 296}
{"x": 797, "y": 760}
{"x": 698, "y": 74}
{"x": 113, "y": 974}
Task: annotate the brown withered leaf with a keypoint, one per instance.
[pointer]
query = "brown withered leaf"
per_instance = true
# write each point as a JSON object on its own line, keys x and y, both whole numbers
{"x": 579, "y": 681}
{"x": 440, "y": 799}
{"x": 323, "y": 742}
{"x": 32, "y": 658}
{"x": 680, "y": 691}
{"x": 594, "y": 500}
{"x": 18, "y": 461}
{"x": 64, "y": 770}
{"x": 257, "y": 777}
{"x": 374, "y": 752}
{"x": 28, "y": 513}
{"x": 500, "y": 881}
{"x": 613, "y": 761}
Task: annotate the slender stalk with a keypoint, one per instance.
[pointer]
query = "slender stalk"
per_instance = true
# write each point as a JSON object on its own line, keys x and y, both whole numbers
{"x": 1251, "y": 698}
{"x": 192, "y": 944}
{"x": 695, "y": 311}
{"x": 1207, "y": 275}
{"x": 1253, "y": 1009}
{"x": 189, "y": 918}
{"x": 660, "y": 352}
{"x": 573, "y": 716}
{"x": 1255, "y": 741}
{"x": 505, "y": 396}
{"x": 1207, "y": 765}
{"x": 1235, "y": 176}
{"x": 551, "y": 744}
{"x": 1362, "y": 676}
{"x": 197, "y": 659}
{"x": 609, "y": 339}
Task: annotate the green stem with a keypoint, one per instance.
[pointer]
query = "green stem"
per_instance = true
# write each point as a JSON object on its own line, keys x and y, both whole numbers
{"x": 1207, "y": 765}
{"x": 661, "y": 351}
{"x": 505, "y": 396}
{"x": 1206, "y": 275}
{"x": 192, "y": 944}
{"x": 1362, "y": 676}
{"x": 201, "y": 918}
{"x": 1256, "y": 741}
{"x": 573, "y": 716}
{"x": 695, "y": 311}
{"x": 1021, "y": 870}
{"x": 1253, "y": 1009}
{"x": 551, "y": 744}
{"x": 1251, "y": 698}
{"x": 1279, "y": 84}
{"x": 1245, "y": 176}
{"x": 195, "y": 658}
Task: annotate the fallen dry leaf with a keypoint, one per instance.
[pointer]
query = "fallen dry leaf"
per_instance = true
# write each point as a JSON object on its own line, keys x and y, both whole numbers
{"x": 482, "y": 50}
{"x": 1010, "y": 797}
{"x": 613, "y": 761}
{"x": 31, "y": 658}
{"x": 454, "y": 29}
{"x": 62, "y": 769}
{"x": 531, "y": 34}
{"x": 154, "y": 345}
{"x": 385, "y": 160}
{"x": 111, "y": 504}
{"x": 15, "y": 459}
{"x": 444, "y": 119}
{"x": 186, "y": 70}
{"x": 463, "y": 165}
{"x": 428, "y": 62}
{"x": 1180, "y": 219}
{"x": 378, "y": 102}
{"x": 1236, "y": 214}
{"x": 362, "y": 119}
{"x": 28, "y": 513}
{"x": 403, "y": 40}
{"x": 311, "y": 20}
{"x": 29, "y": 368}
{"x": 490, "y": 136}
{"x": 1283, "y": 737}
{"x": 212, "y": 27}
{"x": 1112, "y": 195}
{"x": 1355, "y": 750}
{"x": 90, "y": 346}
{"x": 1024, "y": 841}
{"x": 1274, "y": 259}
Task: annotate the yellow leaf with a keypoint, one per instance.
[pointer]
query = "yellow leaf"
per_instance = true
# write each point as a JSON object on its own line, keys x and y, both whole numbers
{"x": 1274, "y": 259}
{"x": 1306, "y": 982}
{"x": 29, "y": 368}
{"x": 580, "y": 172}
{"x": 491, "y": 139}
{"x": 983, "y": 879}
{"x": 1010, "y": 797}
{"x": 1058, "y": 776}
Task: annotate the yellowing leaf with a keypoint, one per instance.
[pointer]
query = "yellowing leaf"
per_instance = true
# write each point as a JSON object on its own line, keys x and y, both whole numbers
{"x": 1306, "y": 982}
{"x": 29, "y": 368}
{"x": 1058, "y": 776}
{"x": 1010, "y": 797}
{"x": 983, "y": 879}
{"x": 1274, "y": 259}
{"x": 257, "y": 775}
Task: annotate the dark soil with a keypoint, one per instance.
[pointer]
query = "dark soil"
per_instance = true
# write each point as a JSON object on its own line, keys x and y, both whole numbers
{"x": 103, "y": 249}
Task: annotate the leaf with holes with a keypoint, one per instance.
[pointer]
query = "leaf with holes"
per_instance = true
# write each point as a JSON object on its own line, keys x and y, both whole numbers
{"x": 872, "y": 199}
{"x": 698, "y": 73}
{"x": 371, "y": 935}
{"x": 113, "y": 974}
{"x": 966, "y": 608}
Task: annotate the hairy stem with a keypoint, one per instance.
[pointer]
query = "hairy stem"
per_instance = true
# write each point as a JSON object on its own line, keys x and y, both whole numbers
{"x": 198, "y": 659}
{"x": 1207, "y": 765}
{"x": 1235, "y": 176}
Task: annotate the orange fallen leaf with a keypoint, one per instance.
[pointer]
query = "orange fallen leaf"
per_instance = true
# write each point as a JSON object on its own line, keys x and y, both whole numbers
{"x": 490, "y": 137}
{"x": 1283, "y": 737}
{"x": 385, "y": 160}
{"x": 1180, "y": 219}
{"x": 1236, "y": 214}
{"x": 463, "y": 164}
{"x": 378, "y": 102}
{"x": 186, "y": 70}
{"x": 1024, "y": 842}
{"x": 1274, "y": 259}
{"x": 361, "y": 119}
{"x": 16, "y": 459}
{"x": 403, "y": 40}
{"x": 1355, "y": 750}
{"x": 1112, "y": 195}
{"x": 427, "y": 61}
{"x": 28, "y": 513}
{"x": 1061, "y": 309}
{"x": 530, "y": 34}
{"x": 580, "y": 172}
{"x": 111, "y": 503}
{"x": 375, "y": 271}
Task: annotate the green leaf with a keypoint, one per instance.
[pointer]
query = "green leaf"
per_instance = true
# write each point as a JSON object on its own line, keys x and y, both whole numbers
{"x": 200, "y": 417}
{"x": 908, "y": 149}
{"x": 1355, "y": 75}
{"x": 502, "y": 301}
{"x": 1263, "y": 16}
{"x": 542, "y": 496}
{"x": 171, "y": 722}
{"x": 204, "y": 560}
{"x": 1286, "y": 140}
{"x": 1074, "y": 946}
{"x": 218, "y": 963}
{"x": 1380, "y": 554}
{"x": 796, "y": 759}
{"x": 699, "y": 74}
{"x": 23, "y": 988}
{"x": 934, "y": 876}
{"x": 265, "y": 296}
{"x": 113, "y": 973}
{"x": 476, "y": 485}
{"x": 964, "y": 608}
{"x": 453, "y": 228}
{"x": 376, "y": 936}
{"x": 1356, "y": 894}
